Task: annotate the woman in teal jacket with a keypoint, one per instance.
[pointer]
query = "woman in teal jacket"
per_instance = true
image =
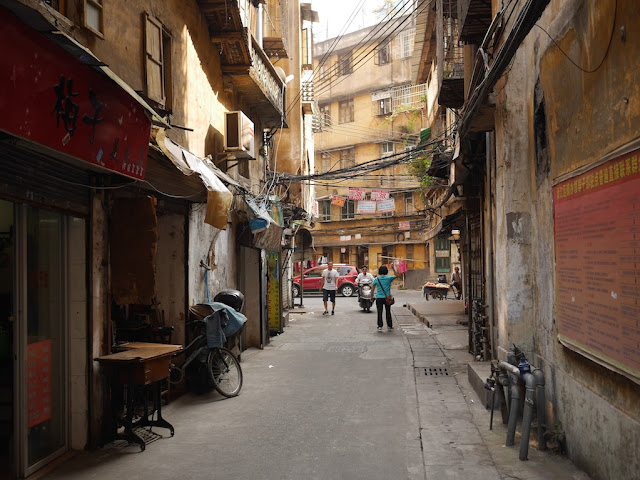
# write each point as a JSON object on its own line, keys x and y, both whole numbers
{"x": 382, "y": 287}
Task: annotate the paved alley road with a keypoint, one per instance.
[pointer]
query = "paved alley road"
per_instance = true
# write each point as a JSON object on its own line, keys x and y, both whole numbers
{"x": 331, "y": 398}
{"x": 334, "y": 399}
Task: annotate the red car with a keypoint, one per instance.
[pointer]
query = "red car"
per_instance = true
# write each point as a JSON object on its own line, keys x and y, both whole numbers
{"x": 313, "y": 280}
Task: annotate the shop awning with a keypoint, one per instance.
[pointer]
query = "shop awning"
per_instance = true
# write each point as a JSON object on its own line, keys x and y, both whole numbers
{"x": 219, "y": 197}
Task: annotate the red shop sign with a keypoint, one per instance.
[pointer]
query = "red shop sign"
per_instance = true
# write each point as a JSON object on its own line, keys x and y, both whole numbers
{"x": 49, "y": 97}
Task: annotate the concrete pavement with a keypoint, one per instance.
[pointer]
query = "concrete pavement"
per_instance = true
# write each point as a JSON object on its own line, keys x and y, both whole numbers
{"x": 332, "y": 398}
{"x": 454, "y": 420}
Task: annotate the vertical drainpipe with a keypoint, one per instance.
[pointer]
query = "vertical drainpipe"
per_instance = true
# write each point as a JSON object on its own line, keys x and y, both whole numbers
{"x": 259, "y": 24}
{"x": 469, "y": 291}
{"x": 489, "y": 245}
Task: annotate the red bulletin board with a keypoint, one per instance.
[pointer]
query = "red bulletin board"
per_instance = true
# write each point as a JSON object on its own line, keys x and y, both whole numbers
{"x": 597, "y": 242}
{"x": 38, "y": 382}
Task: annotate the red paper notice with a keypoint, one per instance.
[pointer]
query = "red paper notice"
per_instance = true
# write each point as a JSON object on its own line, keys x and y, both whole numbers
{"x": 38, "y": 382}
{"x": 597, "y": 239}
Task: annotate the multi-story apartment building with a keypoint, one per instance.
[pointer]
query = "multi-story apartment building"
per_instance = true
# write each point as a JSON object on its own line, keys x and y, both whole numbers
{"x": 369, "y": 211}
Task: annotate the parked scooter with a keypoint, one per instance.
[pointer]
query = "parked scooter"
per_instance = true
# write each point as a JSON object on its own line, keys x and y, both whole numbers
{"x": 365, "y": 295}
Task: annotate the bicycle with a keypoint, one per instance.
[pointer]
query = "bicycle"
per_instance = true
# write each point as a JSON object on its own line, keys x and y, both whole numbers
{"x": 215, "y": 366}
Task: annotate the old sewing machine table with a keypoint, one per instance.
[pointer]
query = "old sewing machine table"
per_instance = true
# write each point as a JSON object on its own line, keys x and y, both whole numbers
{"x": 140, "y": 365}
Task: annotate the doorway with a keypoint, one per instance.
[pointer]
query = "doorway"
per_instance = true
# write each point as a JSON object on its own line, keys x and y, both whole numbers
{"x": 34, "y": 414}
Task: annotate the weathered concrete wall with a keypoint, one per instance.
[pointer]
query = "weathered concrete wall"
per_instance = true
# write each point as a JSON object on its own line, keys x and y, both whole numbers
{"x": 587, "y": 115}
{"x": 216, "y": 248}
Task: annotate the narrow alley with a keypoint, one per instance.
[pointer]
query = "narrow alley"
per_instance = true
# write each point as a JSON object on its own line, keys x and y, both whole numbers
{"x": 332, "y": 398}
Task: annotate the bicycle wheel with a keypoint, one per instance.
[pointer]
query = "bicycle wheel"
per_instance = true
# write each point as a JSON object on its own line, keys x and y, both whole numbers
{"x": 225, "y": 372}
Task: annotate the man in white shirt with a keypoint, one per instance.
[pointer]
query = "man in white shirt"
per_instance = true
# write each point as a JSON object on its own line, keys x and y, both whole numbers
{"x": 329, "y": 288}
{"x": 364, "y": 275}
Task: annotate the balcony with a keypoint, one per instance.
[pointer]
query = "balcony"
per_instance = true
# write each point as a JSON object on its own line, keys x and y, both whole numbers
{"x": 276, "y": 30}
{"x": 452, "y": 58}
{"x": 475, "y": 18}
{"x": 243, "y": 60}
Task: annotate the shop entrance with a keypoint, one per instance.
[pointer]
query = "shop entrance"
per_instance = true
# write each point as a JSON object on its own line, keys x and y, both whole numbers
{"x": 33, "y": 338}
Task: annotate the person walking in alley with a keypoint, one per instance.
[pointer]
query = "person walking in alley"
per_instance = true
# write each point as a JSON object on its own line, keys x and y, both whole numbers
{"x": 382, "y": 288}
{"x": 330, "y": 277}
{"x": 456, "y": 281}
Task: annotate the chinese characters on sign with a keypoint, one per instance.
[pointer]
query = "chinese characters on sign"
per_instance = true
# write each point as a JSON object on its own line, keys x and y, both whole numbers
{"x": 338, "y": 201}
{"x": 366, "y": 206}
{"x": 273, "y": 291}
{"x": 597, "y": 242}
{"x": 385, "y": 206}
{"x": 404, "y": 226}
{"x": 357, "y": 194}
{"x": 378, "y": 195}
{"x": 38, "y": 382}
{"x": 67, "y": 106}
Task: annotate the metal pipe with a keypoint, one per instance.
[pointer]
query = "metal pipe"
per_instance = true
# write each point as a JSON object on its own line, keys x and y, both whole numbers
{"x": 514, "y": 411}
{"x": 504, "y": 411}
{"x": 529, "y": 400}
{"x": 540, "y": 408}
{"x": 509, "y": 368}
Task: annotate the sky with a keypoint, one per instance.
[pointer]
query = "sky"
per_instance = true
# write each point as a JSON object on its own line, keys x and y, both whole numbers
{"x": 334, "y": 14}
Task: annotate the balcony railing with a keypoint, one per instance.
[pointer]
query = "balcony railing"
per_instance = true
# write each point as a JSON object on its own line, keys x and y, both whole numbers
{"x": 408, "y": 96}
{"x": 243, "y": 60}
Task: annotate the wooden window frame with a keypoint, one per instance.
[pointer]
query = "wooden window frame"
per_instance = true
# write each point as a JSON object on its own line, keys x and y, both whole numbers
{"x": 346, "y": 109}
{"x": 348, "y": 210}
{"x": 384, "y": 153}
{"x": 98, "y": 4}
{"x": 384, "y": 106}
{"x": 345, "y": 64}
{"x": 347, "y": 158}
{"x": 325, "y": 164}
{"x": 164, "y": 62}
{"x": 383, "y": 55}
{"x": 408, "y": 201}
{"x": 325, "y": 206}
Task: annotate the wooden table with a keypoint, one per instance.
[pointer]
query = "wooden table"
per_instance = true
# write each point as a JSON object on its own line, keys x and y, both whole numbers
{"x": 140, "y": 364}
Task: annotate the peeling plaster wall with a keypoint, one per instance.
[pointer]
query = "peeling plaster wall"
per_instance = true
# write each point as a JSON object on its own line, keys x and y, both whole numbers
{"x": 214, "y": 247}
{"x": 514, "y": 269}
{"x": 582, "y": 116}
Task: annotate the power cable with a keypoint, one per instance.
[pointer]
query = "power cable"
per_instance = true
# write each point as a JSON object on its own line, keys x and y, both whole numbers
{"x": 606, "y": 53}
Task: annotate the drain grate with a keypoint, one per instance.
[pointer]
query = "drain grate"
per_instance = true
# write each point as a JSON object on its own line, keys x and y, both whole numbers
{"x": 346, "y": 349}
{"x": 436, "y": 372}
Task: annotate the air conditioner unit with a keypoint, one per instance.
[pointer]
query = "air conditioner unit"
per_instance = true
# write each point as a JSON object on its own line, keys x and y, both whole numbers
{"x": 239, "y": 138}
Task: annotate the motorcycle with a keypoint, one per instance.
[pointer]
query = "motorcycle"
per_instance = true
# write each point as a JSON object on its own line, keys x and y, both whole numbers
{"x": 365, "y": 295}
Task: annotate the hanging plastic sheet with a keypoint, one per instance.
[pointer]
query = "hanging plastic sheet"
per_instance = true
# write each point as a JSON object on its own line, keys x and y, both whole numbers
{"x": 219, "y": 198}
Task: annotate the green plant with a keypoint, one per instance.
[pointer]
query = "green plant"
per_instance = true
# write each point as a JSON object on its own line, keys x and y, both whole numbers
{"x": 555, "y": 435}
